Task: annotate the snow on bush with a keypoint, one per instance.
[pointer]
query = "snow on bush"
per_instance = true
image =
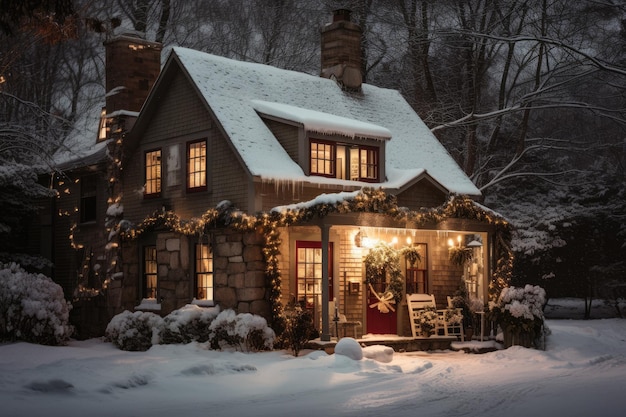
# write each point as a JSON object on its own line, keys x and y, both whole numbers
{"x": 136, "y": 331}
{"x": 188, "y": 324}
{"x": 520, "y": 311}
{"x": 32, "y": 307}
{"x": 379, "y": 353}
{"x": 524, "y": 302}
{"x": 140, "y": 330}
{"x": 245, "y": 332}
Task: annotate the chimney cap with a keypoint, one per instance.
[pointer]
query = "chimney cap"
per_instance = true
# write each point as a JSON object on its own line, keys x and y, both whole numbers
{"x": 342, "y": 14}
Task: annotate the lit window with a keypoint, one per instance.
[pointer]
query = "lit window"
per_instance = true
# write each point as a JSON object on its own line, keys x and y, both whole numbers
{"x": 196, "y": 166}
{"x": 88, "y": 205}
{"x": 368, "y": 163}
{"x": 103, "y": 130}
{"x": 150, "y": 272}
{"x": 323, "y": 158}
{"x": 345, "y": 161}
{"x": 153, "y": 173}
{"x": 204, "y": 272}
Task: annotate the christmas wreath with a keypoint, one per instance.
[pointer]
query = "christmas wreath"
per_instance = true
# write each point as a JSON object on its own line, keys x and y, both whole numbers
{"x": 382, "y": 264}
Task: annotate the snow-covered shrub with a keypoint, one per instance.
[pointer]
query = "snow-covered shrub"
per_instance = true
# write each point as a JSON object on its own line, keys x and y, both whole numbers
{"x": 188, "y": 324}
{"x": 245, "y": 332}
{"x": 299, "y": 328}
{"x": 136, "y": 331}
{"x": 519, "y": 311}
{"x": 427, "y": 319}
{"x": 32, "y": 307}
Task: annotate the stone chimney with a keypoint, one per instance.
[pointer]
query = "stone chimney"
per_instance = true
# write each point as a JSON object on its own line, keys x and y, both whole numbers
{"x": 341, "y": 51}
{"x": 132, "y": 66}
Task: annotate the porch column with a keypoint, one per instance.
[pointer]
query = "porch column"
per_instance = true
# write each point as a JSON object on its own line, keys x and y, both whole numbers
{"x": 325, "y": 335}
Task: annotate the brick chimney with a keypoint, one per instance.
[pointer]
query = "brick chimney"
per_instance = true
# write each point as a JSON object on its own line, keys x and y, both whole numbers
{"x": 341, "y": 51}
{"x": 132, "y": 66}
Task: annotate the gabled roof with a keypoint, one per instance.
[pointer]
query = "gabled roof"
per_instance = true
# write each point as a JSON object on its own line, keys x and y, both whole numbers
{"x": 236, "y": 92}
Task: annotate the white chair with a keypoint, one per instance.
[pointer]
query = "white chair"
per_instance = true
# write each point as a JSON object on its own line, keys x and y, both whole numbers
{"x": 453, "y": 328}
{"x": 415, "y": 303}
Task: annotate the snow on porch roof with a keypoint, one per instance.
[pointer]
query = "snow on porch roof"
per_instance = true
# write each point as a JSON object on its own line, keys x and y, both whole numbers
{"x": 321, "y": 122}
{"x": 231, "y": 88}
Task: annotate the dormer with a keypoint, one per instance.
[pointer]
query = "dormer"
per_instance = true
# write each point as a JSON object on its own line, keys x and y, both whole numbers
{"x": 326, "y": 145}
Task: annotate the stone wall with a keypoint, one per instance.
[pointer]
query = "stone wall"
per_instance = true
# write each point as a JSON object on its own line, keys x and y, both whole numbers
{"x": 238, "y": 273}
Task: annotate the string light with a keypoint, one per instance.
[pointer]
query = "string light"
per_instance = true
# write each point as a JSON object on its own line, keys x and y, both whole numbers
{"x": 368, "y": 200}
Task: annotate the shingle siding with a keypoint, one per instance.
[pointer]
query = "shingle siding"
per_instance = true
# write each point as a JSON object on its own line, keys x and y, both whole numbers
{"x": 180, "y": 118}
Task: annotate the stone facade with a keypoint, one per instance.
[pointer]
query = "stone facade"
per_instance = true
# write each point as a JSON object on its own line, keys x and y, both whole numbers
{"x": 238, "y": 272}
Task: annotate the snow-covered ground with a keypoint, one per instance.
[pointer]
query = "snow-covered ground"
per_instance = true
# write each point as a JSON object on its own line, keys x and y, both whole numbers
{"x": 581, "y": 373}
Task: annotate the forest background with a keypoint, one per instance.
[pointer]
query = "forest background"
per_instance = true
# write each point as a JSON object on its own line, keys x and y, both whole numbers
{"x": 529, "y": 96}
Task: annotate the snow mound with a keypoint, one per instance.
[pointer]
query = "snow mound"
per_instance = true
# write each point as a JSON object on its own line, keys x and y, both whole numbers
{"x": 349, "y": 347}
{"x": 379, "y": 353}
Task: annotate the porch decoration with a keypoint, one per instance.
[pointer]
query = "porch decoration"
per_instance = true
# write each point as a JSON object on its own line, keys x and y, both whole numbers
{"x": 382, "y": 264}
{"x": 385, "y": 301}
{"x": 427, "y": 319}
{"x": 368, "y": 200}
{"x": 519, "y": 313}
{"x": 459, "y": 256}
{"x": 411, "y": 254}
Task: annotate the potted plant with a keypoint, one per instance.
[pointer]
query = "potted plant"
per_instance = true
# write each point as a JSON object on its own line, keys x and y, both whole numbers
{"x": 459, "y": 256}
{"x": 427, "y": 319}
{"x": 519, "y": 313}
{"x": 411, "y": 254}
{"x": 460, "y": 300}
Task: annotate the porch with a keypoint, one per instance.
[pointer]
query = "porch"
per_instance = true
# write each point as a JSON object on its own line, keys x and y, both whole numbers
{"x": 414, "y": 344}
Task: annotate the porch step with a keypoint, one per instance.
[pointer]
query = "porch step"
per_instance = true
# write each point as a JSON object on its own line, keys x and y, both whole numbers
{"x": 402, "y": 344}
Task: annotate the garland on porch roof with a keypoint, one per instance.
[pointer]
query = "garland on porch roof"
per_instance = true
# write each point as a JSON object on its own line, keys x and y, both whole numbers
{"x": 368, "y": 200}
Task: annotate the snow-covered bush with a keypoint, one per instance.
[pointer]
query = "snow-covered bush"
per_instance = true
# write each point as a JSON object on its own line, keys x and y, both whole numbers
{"x": 136, "y": 331}
{"x": 245, "y": 332}
{"x": 520, "y": 311}
{"x": 32, "y": 307}
{"x": 188, "y": 324}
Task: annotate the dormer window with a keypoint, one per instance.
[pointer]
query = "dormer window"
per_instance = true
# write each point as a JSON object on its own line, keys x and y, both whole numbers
{"x": 323, "y": 157}
{"x": 344, "y": 161}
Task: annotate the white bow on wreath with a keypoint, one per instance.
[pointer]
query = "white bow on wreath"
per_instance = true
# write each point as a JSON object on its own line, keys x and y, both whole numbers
{"x": 384, "y": 301}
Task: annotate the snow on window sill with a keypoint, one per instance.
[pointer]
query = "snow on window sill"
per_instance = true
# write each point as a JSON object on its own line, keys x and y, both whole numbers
{"x": 203, "y": 303}
{"x": 149, "y": 304}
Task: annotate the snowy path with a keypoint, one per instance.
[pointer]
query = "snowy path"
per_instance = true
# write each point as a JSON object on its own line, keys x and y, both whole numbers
{"x": 582, "y": 373}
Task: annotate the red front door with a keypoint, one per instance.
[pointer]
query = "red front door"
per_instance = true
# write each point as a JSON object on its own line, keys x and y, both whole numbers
{"x": 379, "y": 322}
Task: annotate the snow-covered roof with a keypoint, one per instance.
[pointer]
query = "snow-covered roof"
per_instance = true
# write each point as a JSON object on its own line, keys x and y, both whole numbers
{"x": 319, "y": 122}
{"x": 236, "y": 91}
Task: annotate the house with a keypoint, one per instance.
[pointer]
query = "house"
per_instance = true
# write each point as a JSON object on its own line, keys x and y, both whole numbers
{"x": 251, "y": 187}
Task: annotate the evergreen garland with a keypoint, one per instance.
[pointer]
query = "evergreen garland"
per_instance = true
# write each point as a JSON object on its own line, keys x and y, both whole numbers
{"x": 368, "y": 200}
